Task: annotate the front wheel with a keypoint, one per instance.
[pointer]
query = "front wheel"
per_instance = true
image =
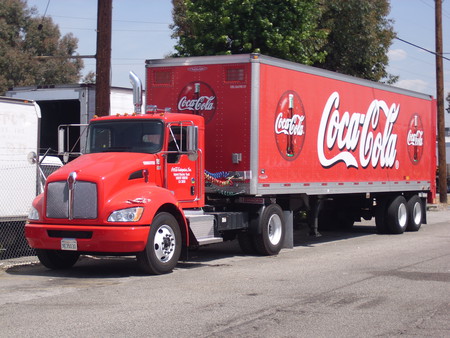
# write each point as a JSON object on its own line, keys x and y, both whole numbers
{"x": 270, "y": 240}
{"x": 163, "y": 247}
{"x": 57, "y": 259}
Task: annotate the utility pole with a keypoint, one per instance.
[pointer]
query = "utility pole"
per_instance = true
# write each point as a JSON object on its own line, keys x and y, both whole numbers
{"x": 440, "y": 106}
{"x": 103, "y": 65}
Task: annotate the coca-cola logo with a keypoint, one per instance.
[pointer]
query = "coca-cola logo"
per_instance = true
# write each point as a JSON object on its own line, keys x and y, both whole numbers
{"x": 290, "y": 125}
{"x": 414, "y": 139}
{"x": 358, "y": 139}
{"x": 198, "y": 98}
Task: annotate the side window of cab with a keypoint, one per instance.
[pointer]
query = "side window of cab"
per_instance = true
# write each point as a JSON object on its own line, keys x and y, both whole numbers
{"x": 177, "y": 143}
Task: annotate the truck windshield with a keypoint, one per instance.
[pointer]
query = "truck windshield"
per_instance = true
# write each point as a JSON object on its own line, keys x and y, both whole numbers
{"x": 138, "y": 136}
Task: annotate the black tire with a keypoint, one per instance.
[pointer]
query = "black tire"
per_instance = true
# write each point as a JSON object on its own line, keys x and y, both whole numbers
{"x": 57, "y": 259}
{"x": 415, "y": 211}
{"x": 163, "y": 247}
{"x": 272, "y": 230}
{"x": 380, "y": 217}
{"x": 397, "y": 215}
{"x": 246, "y": 243}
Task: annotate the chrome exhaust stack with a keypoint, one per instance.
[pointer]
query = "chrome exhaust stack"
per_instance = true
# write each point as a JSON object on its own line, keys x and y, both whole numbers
{"x": 137, "y": 93}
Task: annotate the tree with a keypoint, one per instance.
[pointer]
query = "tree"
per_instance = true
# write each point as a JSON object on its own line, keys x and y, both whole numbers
{"x": 359, "y": 38}
{"x": 89, "y": 78}
{"x": 23, "y": 37}
{"x": 448, "y": 102}
{"x": 285, "y": 29}
{"x": 351, "y": 36}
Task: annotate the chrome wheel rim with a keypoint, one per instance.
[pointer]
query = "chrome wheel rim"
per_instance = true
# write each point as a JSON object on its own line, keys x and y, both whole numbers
{"x": 402, "y": 215}
{"x": 417, "y": 213}
{"x": 275, "y": 229}
{"x": 164, "y": 243}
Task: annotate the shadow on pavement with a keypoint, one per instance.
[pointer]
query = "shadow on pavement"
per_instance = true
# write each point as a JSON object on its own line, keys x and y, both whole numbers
{"x": 207, "y": 256}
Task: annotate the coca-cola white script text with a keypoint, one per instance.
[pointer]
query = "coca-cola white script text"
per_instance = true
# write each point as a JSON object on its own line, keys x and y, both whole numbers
{"x": 202, "y": 103}
{"x": 345, "y": 133}
{"x": 415, "y": 139}
{"x": 293, "y": 126}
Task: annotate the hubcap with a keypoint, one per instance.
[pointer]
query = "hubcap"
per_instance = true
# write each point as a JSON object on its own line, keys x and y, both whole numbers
{"x": 417, "y": 213}
{"x": 402, "y": 216}
{"x": 275, "y": 229}
{"x": 164, "y": 243}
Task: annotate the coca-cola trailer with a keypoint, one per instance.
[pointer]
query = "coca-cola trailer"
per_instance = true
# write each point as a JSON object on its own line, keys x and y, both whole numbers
{"x": 235, "y": 147}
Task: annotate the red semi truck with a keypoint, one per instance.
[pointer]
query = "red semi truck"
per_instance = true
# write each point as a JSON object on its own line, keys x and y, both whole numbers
{"x": 249, "y": 141}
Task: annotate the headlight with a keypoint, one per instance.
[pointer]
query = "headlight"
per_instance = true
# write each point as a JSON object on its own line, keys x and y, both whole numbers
{"x": 33, "y": 214}
{"x": 126, "y": 215}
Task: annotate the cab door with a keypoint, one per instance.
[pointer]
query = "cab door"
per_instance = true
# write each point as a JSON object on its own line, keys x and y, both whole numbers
{"x": 182, "y": 166}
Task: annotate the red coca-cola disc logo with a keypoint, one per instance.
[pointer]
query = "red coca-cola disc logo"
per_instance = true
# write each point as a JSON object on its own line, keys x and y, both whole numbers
{"x": 414, "y": 139}
{"x": 290, "y": 125}
{"x": 198, "y": 98}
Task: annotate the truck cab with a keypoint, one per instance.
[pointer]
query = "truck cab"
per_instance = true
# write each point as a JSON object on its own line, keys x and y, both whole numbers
{"x": 136, "y": 168}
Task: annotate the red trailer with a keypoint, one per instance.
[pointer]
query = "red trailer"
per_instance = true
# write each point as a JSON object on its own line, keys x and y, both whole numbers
{"x": 244, "y": 143}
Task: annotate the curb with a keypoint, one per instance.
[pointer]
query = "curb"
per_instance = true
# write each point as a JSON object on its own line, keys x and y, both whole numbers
{"x": 13, "y": 262}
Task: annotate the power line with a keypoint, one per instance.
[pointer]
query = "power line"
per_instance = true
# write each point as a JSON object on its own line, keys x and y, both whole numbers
{"x": 117, "y": 30}
{"x": 94, "y": 19}
{"x": 424, "y": 49}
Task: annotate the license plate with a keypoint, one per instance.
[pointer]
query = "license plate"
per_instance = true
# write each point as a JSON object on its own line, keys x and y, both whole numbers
{"x": 69, "y": 244}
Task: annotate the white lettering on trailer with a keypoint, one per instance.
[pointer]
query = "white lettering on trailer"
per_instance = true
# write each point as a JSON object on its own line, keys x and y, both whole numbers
{"x": 349, "y": 131}
{"x": 293, "y": 126}
{"x": 202, "y": 103}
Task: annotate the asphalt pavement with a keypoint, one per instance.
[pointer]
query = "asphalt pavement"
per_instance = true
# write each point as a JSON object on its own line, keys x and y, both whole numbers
{"x": 344, "y": 284}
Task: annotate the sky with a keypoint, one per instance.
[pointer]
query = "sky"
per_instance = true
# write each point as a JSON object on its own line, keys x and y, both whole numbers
{"x": 140, "y": 31}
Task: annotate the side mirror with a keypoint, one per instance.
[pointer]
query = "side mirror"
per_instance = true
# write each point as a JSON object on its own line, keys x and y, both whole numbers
{"x": 192, "y": 139}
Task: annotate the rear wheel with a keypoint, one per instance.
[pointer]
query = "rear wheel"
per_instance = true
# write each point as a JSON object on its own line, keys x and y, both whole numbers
{"x": 271, "y": 222}
{"x": 397, "y": 215}
{"x": 415, "y": 211}
{"x": 163, "y": 247}
{"x": 57, "y": 259}
{"x": 380, "y": 217}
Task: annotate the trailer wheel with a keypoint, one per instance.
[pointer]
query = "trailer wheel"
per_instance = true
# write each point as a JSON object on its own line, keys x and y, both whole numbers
{"x": 380, "y": 216}
{"x": 397, "y": 215}
{"x": 163, "y": 247}
{"x": 415, "y": 211}
{"x": 270, "y": 239}
{"x": 57, "y": 259}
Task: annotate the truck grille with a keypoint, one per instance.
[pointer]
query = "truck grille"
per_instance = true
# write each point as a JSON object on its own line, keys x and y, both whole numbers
{"x": 84, "y": 200}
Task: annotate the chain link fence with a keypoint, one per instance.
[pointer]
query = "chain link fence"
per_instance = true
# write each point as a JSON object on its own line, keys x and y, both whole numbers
{"x": 19, "y": 183}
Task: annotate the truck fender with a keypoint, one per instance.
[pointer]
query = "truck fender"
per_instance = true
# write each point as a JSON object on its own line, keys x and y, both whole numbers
{"x": 164, "y": 201}
{"x": 154, "y": 199}
{"x": 38, "y": 204}
{"x": 255, "y": 226}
